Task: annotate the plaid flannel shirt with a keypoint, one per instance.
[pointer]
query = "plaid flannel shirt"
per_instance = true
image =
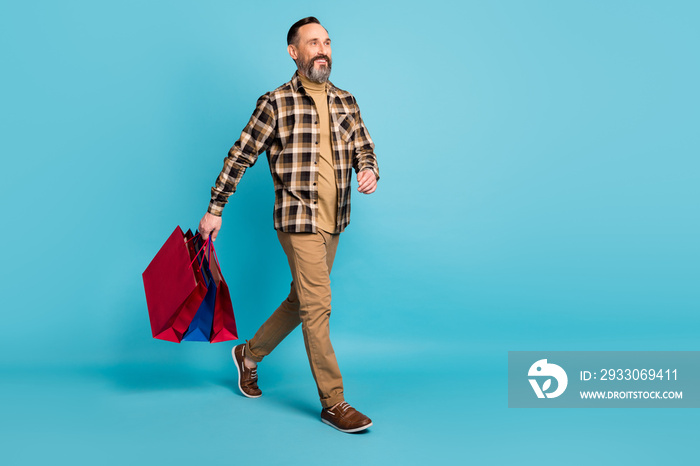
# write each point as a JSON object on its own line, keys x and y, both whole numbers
{"x": 285, "y": 124}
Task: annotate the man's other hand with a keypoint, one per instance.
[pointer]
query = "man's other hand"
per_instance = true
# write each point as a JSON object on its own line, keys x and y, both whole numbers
{"x": 367, "y": 181}
{"x": 209, "y": 225}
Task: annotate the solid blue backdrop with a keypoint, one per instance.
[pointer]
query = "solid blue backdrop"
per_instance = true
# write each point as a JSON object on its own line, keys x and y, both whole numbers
{"x": 539, "y": 191}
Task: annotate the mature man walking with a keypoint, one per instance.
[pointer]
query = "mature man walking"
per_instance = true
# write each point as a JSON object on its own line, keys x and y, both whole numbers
{"x": 314, "y": 138}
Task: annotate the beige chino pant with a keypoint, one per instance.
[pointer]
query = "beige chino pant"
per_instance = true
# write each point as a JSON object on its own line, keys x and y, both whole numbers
{"x": 310, "y": 257}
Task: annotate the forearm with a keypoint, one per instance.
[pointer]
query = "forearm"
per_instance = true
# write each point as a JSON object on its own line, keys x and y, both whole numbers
{"x": 365, "y": 158}
{"x": 226, "y": 184}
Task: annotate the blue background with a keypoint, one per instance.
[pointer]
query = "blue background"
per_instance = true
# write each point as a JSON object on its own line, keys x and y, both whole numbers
{"x": 539, "y": 191}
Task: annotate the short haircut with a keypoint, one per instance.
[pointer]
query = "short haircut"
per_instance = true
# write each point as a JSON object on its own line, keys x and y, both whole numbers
{"x": 293, "y": 34}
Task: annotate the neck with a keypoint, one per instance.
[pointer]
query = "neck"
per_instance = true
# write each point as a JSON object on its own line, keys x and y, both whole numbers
{"x": 311, "y": 85}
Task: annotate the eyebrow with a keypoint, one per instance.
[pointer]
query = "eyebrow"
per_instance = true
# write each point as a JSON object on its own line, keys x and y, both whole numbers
{"x": 316, "y": 38}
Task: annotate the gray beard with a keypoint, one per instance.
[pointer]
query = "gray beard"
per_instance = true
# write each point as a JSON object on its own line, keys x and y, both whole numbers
{"x": 318, "y": 76}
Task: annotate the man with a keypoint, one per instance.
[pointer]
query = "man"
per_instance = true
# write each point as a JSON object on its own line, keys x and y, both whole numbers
{"x": 314, "y": 136}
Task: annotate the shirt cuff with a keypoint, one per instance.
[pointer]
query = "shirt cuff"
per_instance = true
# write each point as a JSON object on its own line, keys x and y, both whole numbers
{"x": 215, "y": 209}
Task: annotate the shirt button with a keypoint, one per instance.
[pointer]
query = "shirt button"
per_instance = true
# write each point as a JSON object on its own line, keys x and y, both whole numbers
{"x": 315, "y": 202}
{"x": 316, "y": 122}
{"x": 316, "y": 142}
{"x": 314, "y": 184}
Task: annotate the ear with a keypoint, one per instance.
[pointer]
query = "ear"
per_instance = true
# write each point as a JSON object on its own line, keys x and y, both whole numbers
{"x": 292, "y": 52}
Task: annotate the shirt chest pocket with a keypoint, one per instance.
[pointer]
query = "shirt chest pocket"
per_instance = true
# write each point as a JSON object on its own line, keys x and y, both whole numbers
{"x": 285, "y": 129}
{"x": 345, "y": 126}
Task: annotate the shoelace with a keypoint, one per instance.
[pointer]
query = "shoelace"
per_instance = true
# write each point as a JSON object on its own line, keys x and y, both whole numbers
{"x": 344, "y": 406}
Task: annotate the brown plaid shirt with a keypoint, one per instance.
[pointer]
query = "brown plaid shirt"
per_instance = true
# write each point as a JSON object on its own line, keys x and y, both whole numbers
{"x": 285, "y": 124}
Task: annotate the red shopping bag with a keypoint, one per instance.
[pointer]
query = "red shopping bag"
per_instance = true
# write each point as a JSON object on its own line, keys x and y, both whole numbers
{"x": 175, "y": 287}
{"x": 224, "y": 325}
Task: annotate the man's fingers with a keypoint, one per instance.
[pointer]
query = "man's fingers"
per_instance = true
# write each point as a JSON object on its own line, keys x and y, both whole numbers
{"x": 204, "y": 231}
{"x": 367, "y": 182}
{"x": 365, "y": 187}
{"x": 364, "y": 181}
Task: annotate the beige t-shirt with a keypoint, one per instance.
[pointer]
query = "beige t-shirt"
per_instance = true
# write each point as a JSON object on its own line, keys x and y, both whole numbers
{"x": 327, "y": 188}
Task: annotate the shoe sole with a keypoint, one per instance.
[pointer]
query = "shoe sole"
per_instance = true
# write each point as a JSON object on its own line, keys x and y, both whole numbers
{"x": 347, "y": 431}
{"x": 238, "y": 369}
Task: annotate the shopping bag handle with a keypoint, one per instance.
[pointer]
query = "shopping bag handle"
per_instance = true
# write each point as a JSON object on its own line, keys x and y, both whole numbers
{"x": 206, "y": 243}
{"x": 209, "y": 245}
{"x": 215, "y": 256}
{"x": 210, "y": 248}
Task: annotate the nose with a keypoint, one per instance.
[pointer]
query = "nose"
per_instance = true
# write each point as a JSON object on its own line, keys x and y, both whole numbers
{"x": 325, "y": 50}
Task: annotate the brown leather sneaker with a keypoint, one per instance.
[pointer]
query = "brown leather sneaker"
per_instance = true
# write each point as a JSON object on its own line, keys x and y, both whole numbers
{"x": 345, "y": 418}
{"x": 247, "y": 378}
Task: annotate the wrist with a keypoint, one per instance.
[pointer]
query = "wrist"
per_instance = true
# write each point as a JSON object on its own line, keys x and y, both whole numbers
{"x": 215, "y": 211}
